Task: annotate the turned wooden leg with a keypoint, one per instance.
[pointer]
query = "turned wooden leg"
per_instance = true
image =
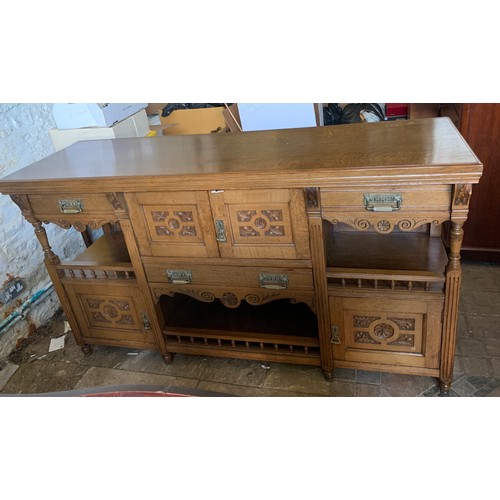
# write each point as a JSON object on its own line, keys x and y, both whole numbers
{"x": 168, "y": 358}
{"x": 328, "y": 375}
{"x": 87, "y": 349}
{"x": 450, "y": 314}
{"x": 445, "y": 386}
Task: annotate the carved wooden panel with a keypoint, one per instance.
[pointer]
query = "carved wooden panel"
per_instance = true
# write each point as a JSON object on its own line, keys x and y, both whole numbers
{"x": 106, "y": 312}
{"x": 173, "y": 224}
{"x": 114, "y": 313}
{"x": 262, "y": 223}
{"x": 388, "y": 330}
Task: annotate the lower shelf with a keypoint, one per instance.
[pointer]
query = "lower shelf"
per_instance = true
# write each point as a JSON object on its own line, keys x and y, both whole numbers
{"x": 277, "y": 331}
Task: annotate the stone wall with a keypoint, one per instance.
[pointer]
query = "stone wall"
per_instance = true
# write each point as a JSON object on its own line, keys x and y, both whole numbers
{"x": 24, "y": 139}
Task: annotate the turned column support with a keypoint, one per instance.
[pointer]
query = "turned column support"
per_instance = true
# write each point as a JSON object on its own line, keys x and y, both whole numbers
{"x": 450, "y": 316}
{"x": 51, "y": 261}
{"x": 460, "y": 209}
{"x": 41, "y": 234}
{"x": 313, "y": 208}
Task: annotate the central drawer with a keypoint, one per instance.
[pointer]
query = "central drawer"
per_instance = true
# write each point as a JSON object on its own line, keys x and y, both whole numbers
{"x": 274, "y": 278}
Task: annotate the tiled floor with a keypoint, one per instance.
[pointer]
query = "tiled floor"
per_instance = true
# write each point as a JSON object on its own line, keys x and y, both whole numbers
{"x": 477, "y": 363}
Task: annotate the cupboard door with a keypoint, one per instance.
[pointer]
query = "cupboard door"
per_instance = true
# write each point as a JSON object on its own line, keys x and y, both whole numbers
{"x": 266, "y": 224}
{"x": 173, "y": 224}
{"x": 112, "y": 314}
{"x": 387, "y": 331}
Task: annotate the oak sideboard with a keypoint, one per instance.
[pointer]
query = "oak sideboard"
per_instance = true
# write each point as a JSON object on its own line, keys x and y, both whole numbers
{"x": 332, "y": 246}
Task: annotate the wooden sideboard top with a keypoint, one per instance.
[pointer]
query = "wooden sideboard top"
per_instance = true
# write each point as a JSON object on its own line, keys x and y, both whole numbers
{"x": 385, "y": 153}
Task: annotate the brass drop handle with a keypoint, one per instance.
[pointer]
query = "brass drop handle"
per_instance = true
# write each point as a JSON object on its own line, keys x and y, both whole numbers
{"x": 71, "y": 206}
{"x": 179, "y": 276}
{"x": 383, "y": 202}
{"x": 273, "y": 281}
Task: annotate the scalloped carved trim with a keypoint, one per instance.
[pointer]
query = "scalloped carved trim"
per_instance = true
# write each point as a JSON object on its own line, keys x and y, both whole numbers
{"x": 387, "y": 225}
{"x": 232, "y": 298}
{"x": 81, "y": 225}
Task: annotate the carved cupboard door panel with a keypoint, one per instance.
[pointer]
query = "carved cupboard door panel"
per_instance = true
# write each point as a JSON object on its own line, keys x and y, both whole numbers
{"x": 266, "y": 223}
{"x": 173, "y": 224}
{"x": 387, "y": 331}
{"x": 114, "y": 314}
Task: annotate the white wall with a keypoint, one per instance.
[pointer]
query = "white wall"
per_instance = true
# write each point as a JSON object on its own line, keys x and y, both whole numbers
{"x": 24, "y": 139}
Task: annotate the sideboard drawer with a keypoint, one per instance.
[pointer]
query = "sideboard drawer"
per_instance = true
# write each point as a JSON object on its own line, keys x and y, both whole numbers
{"x": 71, "y": 205}
{"x": 384, "y": 209}
{"x": 393, "y": 199}
{"x": 250, "y": 277}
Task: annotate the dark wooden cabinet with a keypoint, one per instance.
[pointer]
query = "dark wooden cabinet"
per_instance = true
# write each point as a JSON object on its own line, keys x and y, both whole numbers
{"x": 480, "y": 126}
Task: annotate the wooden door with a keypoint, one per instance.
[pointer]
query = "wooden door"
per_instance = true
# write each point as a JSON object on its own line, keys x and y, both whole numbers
{"x": 173, "y": 224}
{"x": 114, "y": 314}
{"x": 387, "y": 331}
{"x": 266, "y": 224}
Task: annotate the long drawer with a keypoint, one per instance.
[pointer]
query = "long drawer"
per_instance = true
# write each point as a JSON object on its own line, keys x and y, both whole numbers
{"x": 275, "y": 278}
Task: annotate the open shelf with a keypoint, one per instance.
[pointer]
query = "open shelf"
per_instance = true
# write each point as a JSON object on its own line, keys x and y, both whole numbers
{"x": 106, "y": 258}
{"x": 399, "y": 261}
{"x": 272, "y": 331}
{"x": 108, "y": 249}
{"x": 415, "y": 252}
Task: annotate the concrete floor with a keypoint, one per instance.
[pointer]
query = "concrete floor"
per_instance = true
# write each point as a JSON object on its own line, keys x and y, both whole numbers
{"x": 31, "y": 369}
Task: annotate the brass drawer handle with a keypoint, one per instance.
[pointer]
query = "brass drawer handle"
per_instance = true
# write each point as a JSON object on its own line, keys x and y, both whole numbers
{"x": 71, "y": 206}
{"x": 273, "y": 281}
{"x": 380, "y": 202}
{"x": 179, "y": 276}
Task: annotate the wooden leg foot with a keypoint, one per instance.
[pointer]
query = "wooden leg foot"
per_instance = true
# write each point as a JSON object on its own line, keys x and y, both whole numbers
{"x": 168, "y": 358}
{"x": 445, "y": 387}
{"x": 87, "y": 349}
{"x": 328, "y": 375}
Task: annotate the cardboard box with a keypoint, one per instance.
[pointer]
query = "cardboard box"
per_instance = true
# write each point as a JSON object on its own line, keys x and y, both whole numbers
{"x": 78, "y": 115}
{"x": 232, "y": 117}
{"x": 193, "y": 121}
{"x": 134, "y": 126}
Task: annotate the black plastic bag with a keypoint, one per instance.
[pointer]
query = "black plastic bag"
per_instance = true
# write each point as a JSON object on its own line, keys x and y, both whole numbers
{"x": 169, "y": 108}
{"x": 332, "y": 114}
{"x": 357, "y": 113}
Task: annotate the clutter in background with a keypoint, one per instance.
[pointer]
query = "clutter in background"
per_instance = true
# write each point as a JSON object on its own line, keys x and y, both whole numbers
{"x": 206, "y": 118}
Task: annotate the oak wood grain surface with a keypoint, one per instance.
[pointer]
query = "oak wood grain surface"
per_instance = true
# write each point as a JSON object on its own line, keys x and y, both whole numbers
{"x": 396, "y": 151}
